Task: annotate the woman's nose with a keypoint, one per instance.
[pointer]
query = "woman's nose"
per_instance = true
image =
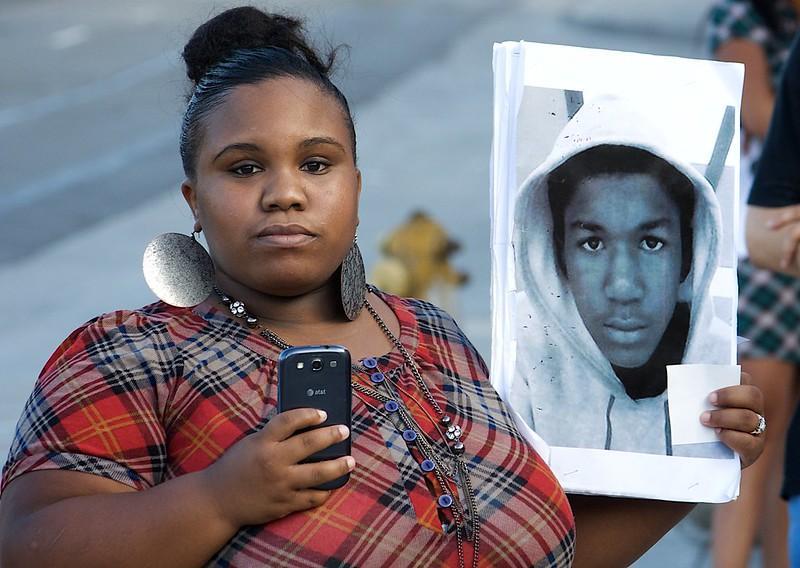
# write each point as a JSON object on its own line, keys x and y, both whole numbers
{"x": 623, "y": 282}
{"x": 284, "y": 190}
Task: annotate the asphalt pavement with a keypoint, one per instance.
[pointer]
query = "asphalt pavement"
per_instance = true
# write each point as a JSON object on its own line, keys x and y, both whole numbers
{"x": 89, "y": 170}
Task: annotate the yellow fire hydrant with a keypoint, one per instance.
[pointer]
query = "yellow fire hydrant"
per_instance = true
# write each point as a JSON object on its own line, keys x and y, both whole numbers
{"x": 416, "y": 261}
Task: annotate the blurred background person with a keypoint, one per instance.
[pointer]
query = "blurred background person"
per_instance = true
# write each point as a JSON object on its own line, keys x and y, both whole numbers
{"x": 773, "y": 236}
{"x": 758, "y": 33}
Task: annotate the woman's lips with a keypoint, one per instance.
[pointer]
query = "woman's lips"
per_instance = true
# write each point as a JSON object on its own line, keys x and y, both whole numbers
{"x": 286, "y": 240}
{"x": 285, "y": 235}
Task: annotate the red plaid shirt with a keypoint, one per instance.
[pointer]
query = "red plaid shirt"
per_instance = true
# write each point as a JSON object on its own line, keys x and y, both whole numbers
{"x": 145, "y": 396}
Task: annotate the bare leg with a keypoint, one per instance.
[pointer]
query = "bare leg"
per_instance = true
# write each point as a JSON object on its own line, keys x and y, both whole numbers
{"x": 736, "y": 524}
{"x": 775, "y": 525}
{"x": 775, "y": 519}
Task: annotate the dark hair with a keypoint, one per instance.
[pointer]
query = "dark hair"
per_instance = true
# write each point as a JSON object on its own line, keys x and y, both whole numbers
{"x": 768, "y": 10}
{"x": 243, "y": 46}
{"x": 604, "y": 159}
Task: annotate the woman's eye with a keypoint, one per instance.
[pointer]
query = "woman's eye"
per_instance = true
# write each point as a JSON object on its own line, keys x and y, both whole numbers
{"x": 245, "y": 170}
{"x": 592, "y": 244}
{"x": 314, "y": 166}
{"x": 652, "y": 244}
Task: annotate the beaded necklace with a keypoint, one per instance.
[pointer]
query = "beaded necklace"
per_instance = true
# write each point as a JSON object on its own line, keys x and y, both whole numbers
{"x": 385, "y": 389}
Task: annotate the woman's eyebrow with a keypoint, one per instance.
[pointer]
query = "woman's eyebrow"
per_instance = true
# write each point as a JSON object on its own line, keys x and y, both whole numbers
{"x": 321, "y": 140}
{"x": 246, "y": 146}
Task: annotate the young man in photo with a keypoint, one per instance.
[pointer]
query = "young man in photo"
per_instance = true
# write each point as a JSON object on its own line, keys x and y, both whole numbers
{"x": 616, "y": 244}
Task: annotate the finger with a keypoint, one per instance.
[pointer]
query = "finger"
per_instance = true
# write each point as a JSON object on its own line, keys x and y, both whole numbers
{"x": 285, "y": 424}
{"x": 733, "y": 427}
{"x": 738, "y": 419}
{"x": 788, "y": 216}
{"x": 307, "y": 475}
{"x": 300, "y": 446}
{"x": 748, "y": 447}
{"x": 748, "y": 397}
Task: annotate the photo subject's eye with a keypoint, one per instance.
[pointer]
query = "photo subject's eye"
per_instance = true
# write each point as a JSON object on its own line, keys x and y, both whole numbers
{"x": 592, "y": 244}
{"x": 652, "y": 244}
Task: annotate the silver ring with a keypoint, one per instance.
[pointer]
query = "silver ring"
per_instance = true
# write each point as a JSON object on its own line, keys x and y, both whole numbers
{"x": 762, "y": 425}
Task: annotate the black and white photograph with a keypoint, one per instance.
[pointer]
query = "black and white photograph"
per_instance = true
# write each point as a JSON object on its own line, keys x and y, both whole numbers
{"x": 617, "y": 242}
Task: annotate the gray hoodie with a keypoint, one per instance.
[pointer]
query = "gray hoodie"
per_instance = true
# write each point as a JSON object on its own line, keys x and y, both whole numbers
{"x": 564, "y": 387}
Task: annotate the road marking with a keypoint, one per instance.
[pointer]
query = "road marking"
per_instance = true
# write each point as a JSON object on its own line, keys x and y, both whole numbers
{"x": 116, "y": 83}
{"x": 85, "y": 171}
{"x": 69, "y": 37}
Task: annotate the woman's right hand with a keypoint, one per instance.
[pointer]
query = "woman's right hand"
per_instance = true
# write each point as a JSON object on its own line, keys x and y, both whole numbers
{"x": 260, "y": 479}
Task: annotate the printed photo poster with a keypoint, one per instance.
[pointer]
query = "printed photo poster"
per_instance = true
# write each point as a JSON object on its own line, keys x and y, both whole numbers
{"x": 614, "y": 215}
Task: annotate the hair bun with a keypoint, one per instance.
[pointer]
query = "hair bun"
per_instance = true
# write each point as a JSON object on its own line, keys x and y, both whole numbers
{"x": 246, "y": 28}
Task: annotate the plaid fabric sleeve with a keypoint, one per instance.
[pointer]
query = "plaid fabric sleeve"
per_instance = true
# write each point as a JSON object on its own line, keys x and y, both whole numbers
{"x": 96, "y": 406}
{"x": 729, "y": 19}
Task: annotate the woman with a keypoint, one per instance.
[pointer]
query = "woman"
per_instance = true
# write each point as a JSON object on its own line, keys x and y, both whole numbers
{"x": 156, "y": 428}
{"x": 758, "y": 33}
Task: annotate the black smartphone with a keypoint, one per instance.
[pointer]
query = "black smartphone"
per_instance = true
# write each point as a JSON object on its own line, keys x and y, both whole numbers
{"x": 318, "y": 376}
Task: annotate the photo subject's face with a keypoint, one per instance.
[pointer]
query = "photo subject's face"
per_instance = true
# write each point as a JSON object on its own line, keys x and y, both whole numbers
{"x": 622, "y": 241}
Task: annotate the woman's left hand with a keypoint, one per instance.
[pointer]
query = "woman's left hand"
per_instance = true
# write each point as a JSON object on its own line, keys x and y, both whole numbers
{"x": 736, "y": 417}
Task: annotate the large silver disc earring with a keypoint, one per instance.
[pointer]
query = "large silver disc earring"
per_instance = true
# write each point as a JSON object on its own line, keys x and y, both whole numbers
{"x": 178, "y": 269}
{"x": 353, "y": 282}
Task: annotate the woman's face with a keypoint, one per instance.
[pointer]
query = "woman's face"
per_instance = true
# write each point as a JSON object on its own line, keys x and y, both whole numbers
{"x": 622, "y": 251}
{"x": 276, "y": 189}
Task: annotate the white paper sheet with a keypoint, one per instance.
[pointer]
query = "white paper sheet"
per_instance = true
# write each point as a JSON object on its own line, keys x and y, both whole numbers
{"x": 688, "y": 387}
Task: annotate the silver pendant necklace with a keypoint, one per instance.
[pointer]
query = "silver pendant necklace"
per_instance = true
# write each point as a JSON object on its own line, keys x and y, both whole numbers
{"x": 384, "y": 388}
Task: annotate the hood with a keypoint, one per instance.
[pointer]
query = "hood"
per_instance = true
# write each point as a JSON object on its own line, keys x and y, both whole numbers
{"x": 562, "y": 376}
